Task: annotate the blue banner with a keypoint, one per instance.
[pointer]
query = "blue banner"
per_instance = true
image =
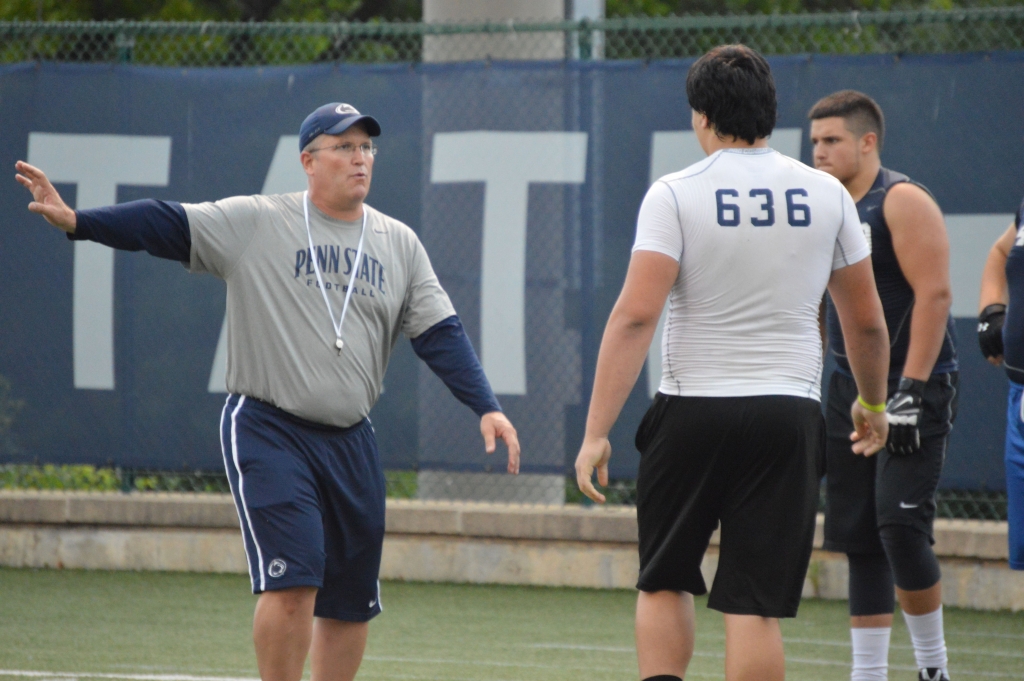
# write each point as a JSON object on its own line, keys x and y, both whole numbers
{"x": 523, "y": 181}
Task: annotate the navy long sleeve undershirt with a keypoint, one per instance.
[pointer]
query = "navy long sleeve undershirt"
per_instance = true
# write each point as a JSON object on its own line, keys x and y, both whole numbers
{"x": 158, "y": 227}
{"x": 161, "y": 229}
{"x": 449, "y": 354}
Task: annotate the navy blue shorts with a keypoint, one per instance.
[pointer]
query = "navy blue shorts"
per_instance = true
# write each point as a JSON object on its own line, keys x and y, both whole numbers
{"x": 310, "y": 500}
{"x": 1015, "y": 474}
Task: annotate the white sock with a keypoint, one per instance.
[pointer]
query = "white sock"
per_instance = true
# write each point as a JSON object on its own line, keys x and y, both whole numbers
{"x": 929, "y": 640}
{"x": 870, "y": 653}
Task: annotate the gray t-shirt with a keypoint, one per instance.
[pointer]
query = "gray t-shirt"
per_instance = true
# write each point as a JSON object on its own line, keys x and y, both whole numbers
{"x": 280, "y": 339}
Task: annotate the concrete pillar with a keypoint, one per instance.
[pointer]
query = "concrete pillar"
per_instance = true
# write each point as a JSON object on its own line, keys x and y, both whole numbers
{"x": 500, "y": 46}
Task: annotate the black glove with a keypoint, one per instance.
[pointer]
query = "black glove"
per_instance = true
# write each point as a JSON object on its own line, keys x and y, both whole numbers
{"x": 904, "y": 414}
{"x": 990, "y": 330}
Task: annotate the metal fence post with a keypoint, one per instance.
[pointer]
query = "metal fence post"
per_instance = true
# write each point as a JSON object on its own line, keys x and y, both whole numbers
{"x": 127, "y": 480}
{"x": 585, "y": 36}
{"x": 125, "y": 43}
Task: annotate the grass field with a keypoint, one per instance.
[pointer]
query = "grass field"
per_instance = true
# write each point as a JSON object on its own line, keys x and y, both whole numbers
{"x": 150, "y": 626}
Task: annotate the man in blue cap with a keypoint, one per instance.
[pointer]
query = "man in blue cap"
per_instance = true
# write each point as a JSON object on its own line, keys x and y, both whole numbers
{"x": 319, "y": 286}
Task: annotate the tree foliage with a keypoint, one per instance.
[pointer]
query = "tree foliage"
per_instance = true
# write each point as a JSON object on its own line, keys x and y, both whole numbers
{"x": 660, "y": 8}
{"x": 412, "y": 10}
{"x": 210, "y": 10}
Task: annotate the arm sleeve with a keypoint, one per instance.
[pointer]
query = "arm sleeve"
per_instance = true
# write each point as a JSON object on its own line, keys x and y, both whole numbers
{"x": 426, "y": 303}
{"x": 221, "y": 232}
{"x": 658, "y": 227}
{"x": 449, "y": 354}
{"x": 158, "y": 227}
{"x": 851, "y": 246}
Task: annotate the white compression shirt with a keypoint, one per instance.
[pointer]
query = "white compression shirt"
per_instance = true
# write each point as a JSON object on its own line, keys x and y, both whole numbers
{"x": 757, "y": 236}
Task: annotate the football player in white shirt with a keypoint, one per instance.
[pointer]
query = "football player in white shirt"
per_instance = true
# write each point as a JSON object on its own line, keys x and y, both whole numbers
{"x": 742, "y": 246}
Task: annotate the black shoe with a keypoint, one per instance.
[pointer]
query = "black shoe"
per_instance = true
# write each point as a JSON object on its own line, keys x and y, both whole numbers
{"x": 932, "y": 674}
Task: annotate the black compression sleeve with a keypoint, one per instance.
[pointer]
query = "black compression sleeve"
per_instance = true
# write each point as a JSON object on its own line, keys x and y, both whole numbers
{"x": 914, "y": 565}
{"x": 158, "y": 227}
{"x": 446, "y": 349}
{"x": 871, "y": 585}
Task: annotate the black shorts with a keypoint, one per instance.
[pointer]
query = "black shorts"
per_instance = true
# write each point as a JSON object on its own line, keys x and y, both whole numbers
{"x": 747, "y": 463}
{"x": 865, "y": 493}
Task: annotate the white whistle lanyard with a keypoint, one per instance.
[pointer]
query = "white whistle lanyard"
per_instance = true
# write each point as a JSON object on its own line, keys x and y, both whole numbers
{"x": 338, "y": 343}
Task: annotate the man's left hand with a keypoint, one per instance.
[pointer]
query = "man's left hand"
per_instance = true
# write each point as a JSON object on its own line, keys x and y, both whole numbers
{"x": 594, "y": 454}
{"x": 495, "y": 425}
{"x": 904, "y": 414}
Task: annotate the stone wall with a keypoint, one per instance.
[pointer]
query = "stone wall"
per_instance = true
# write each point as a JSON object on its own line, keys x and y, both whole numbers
{"x": 439, "y": 541}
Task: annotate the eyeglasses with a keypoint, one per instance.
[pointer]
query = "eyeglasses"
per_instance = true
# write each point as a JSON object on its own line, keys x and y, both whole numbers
{"x": 349, "y": 149}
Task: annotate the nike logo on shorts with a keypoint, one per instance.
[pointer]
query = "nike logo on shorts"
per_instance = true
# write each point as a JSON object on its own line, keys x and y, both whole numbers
{"x": 373, "y": 602}
{"x": 904, "y": 504}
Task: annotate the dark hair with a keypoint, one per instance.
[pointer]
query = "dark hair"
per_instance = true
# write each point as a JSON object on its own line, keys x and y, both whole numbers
{"x": 860, "y": 113}
{"x": 733, "y": 86}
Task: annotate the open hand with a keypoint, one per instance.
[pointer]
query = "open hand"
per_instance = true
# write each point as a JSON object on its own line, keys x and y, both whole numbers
{"x": 594, "y": 453}
{"x": 46, "y": 200}
{"x": 871, "y": 430}
{"x": 494, "y": 425}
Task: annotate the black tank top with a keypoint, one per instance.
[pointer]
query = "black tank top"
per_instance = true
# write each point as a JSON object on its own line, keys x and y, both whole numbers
{"x": 1013, "y": 327}
{"x": 896, "y": 294}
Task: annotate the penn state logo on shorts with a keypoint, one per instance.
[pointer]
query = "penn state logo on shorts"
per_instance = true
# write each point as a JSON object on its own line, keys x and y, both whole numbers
{"x": 277, "y": 568}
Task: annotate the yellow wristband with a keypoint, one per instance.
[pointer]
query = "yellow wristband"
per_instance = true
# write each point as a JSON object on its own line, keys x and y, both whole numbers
{"x": 877, "y": 408}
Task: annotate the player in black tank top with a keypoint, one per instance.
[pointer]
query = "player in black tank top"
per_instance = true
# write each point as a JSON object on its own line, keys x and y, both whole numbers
{"x": 894, "y": 290}
{"x": 880, "y": 510}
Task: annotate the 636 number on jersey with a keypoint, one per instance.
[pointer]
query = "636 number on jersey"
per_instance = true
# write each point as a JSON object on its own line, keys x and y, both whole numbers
{"x": 797, "y": 214}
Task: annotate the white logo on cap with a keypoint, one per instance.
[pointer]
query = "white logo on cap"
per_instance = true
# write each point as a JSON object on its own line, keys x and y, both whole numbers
{"x": 345, "y": 109}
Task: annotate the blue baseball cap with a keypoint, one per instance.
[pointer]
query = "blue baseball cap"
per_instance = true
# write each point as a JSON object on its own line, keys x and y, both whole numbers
{"x": 334, "y": 119}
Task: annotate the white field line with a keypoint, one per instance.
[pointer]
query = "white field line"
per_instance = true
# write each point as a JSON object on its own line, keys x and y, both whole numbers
{"x": 609, "y": 649}
{"x": 477, "y": 663}
{"x": 119, "y": 675}
{"x": 124, "y": 676}
{"x": 958, "y": 671}
{"x": 389, "y": 675}
{"x": 985, "y": 653}
{"x": 984, "y": 634}
{"x": 187, "y": 677}
{"x": 800, "y": 660}
{"x": 573, "y": 646}
{"x": 952, "y": 651}
{"x": 364, "y": 674}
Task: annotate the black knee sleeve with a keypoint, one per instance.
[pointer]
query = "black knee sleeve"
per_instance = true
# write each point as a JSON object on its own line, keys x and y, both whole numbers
{"x": 871, "y": 591}
{"x": 663, "y": 677}
{"x": 914, "y": 566}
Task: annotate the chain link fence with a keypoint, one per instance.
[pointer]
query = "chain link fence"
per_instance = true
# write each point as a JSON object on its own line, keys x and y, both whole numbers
{"x": 220, "y": 44}
{"x": 250, "y": 44}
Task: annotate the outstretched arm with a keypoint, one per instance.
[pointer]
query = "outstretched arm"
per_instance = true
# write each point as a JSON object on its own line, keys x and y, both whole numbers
{"x": 159, "y": 227}
{"x": 447, "y": 351}
{"x": 627, "y": 338}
